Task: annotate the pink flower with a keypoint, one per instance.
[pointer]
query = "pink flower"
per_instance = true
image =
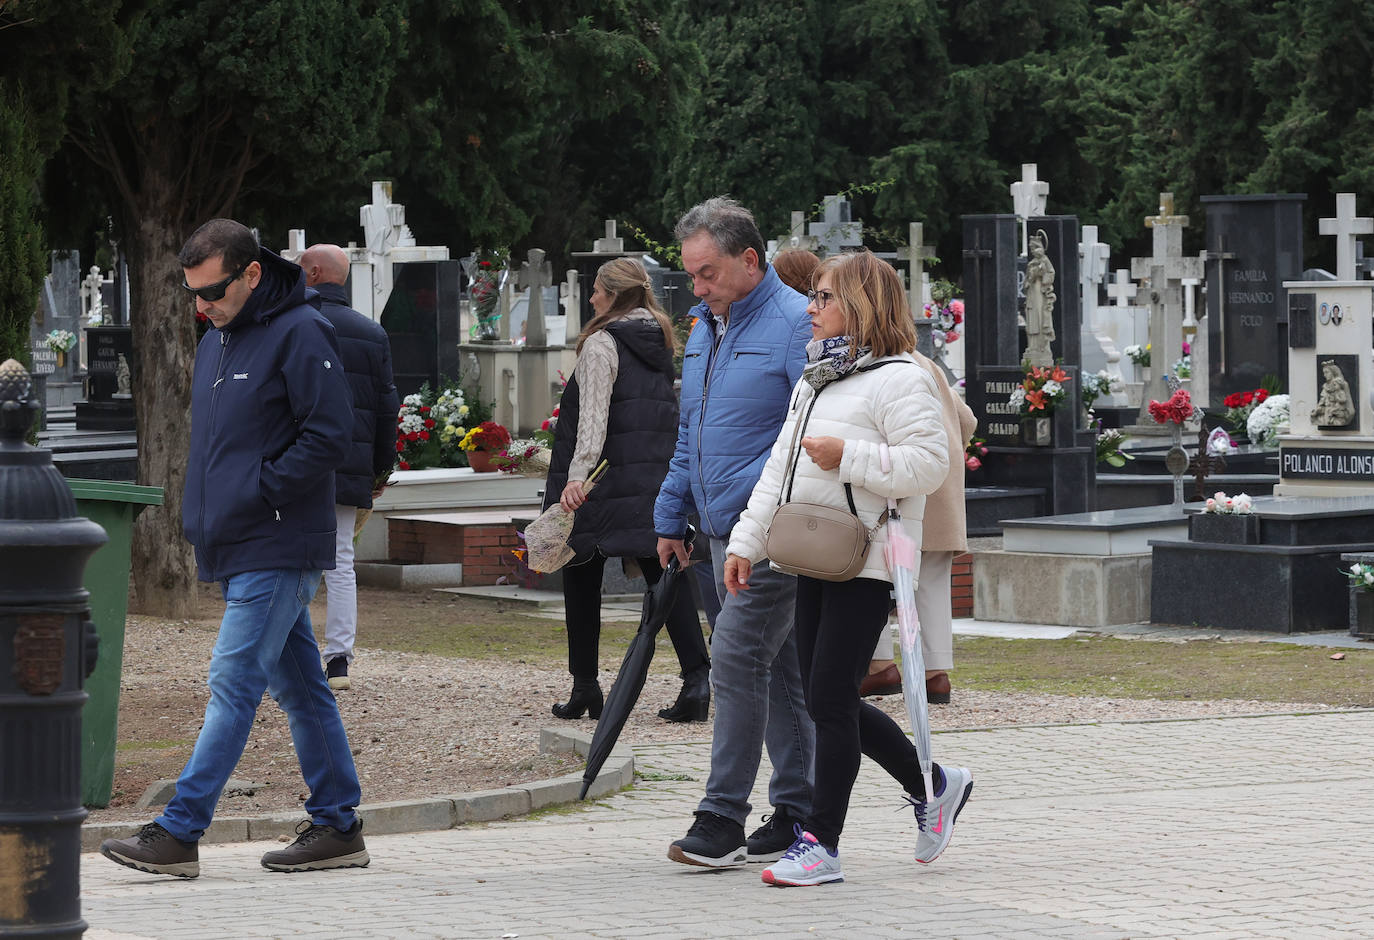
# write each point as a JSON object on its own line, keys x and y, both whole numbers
{"x": 972, "y": 462}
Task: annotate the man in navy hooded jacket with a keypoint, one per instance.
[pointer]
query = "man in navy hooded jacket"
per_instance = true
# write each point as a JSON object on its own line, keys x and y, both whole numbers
{"x": 270, "y": 422}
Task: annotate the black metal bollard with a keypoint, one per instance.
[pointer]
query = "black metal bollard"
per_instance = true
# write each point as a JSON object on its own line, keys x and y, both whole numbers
{"x": 47, "y": 649}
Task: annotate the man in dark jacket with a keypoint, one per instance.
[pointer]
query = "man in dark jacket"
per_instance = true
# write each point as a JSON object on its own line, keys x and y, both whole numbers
{"x": 270, "y": 422}
{"x": 366, "y": 357}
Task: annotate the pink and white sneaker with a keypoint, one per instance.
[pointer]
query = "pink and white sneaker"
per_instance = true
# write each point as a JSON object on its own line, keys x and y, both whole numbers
{"x": 935, "y": 819}
{"x": 806, "y": 863}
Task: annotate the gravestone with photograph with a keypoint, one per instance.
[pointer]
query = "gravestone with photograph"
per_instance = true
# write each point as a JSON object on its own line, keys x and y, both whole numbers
{"x": 110, "y": 356}
{"x": 1254, "y": 244}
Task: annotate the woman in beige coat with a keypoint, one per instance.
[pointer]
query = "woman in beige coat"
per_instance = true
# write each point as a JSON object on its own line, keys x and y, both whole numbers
{"x": 944, "y": 536}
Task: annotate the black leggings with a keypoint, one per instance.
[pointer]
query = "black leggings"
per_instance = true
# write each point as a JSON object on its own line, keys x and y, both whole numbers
{"x": 838, "y": 623}
{"x": 582, "y": 598}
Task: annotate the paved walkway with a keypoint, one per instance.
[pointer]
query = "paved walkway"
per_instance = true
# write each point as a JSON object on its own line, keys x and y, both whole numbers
{"x": 1242, "y": 827}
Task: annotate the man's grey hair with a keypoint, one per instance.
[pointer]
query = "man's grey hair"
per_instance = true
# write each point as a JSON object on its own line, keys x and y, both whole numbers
{"x": 730, "y": 225}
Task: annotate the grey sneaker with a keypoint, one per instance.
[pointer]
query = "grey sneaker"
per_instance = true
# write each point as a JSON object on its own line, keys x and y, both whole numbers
{"x": 935, "y": 819}
{"x": 806, "y": 863}
{"x": 319, "y": 847}
{"x": 155, "y": 850}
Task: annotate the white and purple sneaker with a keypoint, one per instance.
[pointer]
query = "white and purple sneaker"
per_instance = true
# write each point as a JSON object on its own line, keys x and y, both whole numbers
{"x": 935, "y": 819}
{"x": 806, "y": 863}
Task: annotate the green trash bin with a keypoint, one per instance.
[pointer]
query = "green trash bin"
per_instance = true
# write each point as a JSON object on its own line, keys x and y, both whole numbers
{"x": 113, "y": 507}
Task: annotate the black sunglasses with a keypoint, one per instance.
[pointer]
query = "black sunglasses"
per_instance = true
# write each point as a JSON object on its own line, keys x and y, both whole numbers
{"x": 216, "y": 291}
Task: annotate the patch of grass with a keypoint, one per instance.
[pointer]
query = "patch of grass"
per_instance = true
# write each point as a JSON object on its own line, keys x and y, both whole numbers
{"x": 655, "y": 777}
{"x": 150, "y": 745}
{"x": 1197, "y": 669}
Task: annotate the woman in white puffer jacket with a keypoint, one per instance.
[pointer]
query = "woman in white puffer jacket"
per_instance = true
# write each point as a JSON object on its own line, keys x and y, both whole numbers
{"x": 862, "y": 339}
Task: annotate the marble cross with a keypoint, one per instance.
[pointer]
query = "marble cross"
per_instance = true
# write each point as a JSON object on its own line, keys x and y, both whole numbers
{"x": 1028, "y": 197}
{"x": 916, "y": 253}
{"x": 835, "y": 232}
{"x": 382, "y": 221}
{"x": 797, "y": 237}
{"x": 611, "y": 244}
{"x": 1121, "y": 289}
{"x": 1345, "y": 226}
{"x": 535, "y": 275}
{"x": 91, "y": 298}
{"x": 1165, "y": 270}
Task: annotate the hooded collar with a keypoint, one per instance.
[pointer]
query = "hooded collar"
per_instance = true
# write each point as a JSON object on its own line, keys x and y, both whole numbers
{"x": 281, "y": 288}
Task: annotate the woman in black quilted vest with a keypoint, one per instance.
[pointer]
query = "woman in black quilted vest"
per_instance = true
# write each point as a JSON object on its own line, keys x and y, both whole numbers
{"x": 619, "y": 406}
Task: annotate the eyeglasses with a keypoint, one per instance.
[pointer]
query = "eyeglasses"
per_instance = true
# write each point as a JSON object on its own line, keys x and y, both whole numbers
{"x": 216, "y": 291}
{"x": 819, "y": 297}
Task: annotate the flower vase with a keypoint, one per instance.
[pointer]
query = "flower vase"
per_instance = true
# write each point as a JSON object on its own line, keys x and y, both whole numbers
{"x": 61, "y": 358}
{"x": 484, "y": 293}
{"x": 1362, "y": 613}
{"x": 1176, "y": 461}
{"x": 1035, "y": 432}
{"x": 480, "y": 461}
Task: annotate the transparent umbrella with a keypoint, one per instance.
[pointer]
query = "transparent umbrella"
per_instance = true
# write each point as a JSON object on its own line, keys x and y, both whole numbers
{"x": 902, "y": 556}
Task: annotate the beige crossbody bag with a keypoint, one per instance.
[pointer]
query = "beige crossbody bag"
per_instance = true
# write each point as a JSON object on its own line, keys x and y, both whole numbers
{"x": 818, "y": 541}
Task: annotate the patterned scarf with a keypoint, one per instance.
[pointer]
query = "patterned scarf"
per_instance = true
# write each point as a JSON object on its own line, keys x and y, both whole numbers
{"x": 830, "y": 359}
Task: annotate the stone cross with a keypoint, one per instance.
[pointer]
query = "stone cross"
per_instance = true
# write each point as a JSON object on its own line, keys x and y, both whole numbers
{"x": 383, "y": 223}
{"x": 535, "y": 275}
{"x": 1165, "y": 269}
{"x": 295, "y": 245}
{"x": 1029, "y": 196}
{"x": 610, "y": 245}
{"x": 836, "y": 231}
{"x": 1093, "y": 256}
{"x": 797, "y": 237}
{"x": 915, "y": 254}
{"x": 1345, "y": 226}
{"x": 91, "y": 301}
{"x": 1122, "y": 289}
{"x": 570, "y": 293}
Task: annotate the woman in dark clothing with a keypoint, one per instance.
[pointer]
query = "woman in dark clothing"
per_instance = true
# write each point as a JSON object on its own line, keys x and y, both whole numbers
{"x": 619, "y": 405}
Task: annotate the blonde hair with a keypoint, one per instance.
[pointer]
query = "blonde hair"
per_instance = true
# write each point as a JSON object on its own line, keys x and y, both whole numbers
{"x": 873, "y": 301}
{"x": 795, "y": 267}
{"x": 630, "y": 288}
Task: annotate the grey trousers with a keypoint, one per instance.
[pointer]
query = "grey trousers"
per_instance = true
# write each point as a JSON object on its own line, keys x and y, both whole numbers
{"x": 756, "y": 678}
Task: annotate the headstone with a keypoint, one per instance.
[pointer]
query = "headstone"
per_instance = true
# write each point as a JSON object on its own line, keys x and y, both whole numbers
{"x": 797, "y": 237}
{"x": 990, "y": 331}
{"x": 421, "y": 321}
{"x": 1329, "y": 449}
{"x": 611, "y": 243}
{"x": 1164, "y": 270}
{"x": 110, "y": 351}
{"x": 1254, "y": 244}
{"x": 836, "y": 231}
{"x": 589, "y": 262}
{"x": 1029, "y": 196}
{"x": 388, "y": 242}
{"x": 1100, "y": 352}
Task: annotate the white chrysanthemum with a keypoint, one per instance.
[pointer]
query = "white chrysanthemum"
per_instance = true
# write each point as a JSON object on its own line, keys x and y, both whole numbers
{"x": 1053, "y": 388}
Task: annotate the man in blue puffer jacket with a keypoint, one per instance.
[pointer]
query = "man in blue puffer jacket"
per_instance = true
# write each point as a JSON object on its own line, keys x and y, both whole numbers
{"x": 270, "y": 421}
{"x": 366, "y": 354}
{"x": 742, "y": 360}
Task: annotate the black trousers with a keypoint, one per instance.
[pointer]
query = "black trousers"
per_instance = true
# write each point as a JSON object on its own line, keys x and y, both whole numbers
{"x": 582, "y": 598}
{"x": 838, "y": 623}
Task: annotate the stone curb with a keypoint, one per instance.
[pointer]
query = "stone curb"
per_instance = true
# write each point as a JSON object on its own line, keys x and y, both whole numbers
{"x": 423, "y": 815}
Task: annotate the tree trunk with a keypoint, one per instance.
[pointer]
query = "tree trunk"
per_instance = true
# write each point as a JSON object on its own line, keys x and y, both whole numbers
{"x": 164, "y": 339}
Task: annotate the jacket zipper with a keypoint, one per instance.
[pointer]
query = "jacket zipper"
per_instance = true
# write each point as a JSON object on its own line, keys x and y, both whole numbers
{"x": 214, "y": 398}
{"x": 701, "y": 424}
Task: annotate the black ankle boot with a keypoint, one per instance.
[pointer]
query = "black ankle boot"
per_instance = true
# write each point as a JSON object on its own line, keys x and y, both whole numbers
{"x": 586, "y": 697}
{"x": 694, "y": 701}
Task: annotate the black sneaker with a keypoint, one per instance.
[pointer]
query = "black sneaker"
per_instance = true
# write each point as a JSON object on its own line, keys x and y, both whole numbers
{"x": 336, "y": 670}
{"x": 320, "y": 847}
{"x": 714, "y": 841}
{"x": 154, "y": 849}
{"x": 770, "y": 841}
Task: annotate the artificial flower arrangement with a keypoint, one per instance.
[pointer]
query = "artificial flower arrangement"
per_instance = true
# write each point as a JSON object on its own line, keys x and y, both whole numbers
{"x": 1109, "y": 443}
{"x": 947, "y": 311}
{"x": 1140, "y": 355}
{"x": 1178, "y": 409}
{"x": 1096, "y": 385}
{"x": 488, "y": 436}
{"x": 59, "y": 341}
{"x": 1360, "y": 575}
{"x": 1041, "y": 391}
{"x": 487, "y": 272}
{"x": 1221, "y": 504}
{"x": 1240, "y": 405}
{"x": 974, "y": 453}
{"x": 1268, "y": 420}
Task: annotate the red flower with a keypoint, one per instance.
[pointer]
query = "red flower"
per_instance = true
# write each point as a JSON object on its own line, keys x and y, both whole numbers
{"x": 403, "y": 465}
{"x": 424, "y": 435}
{"x": 429, "y": 422}
{"x": 1235, "y": 400}
{"x": 400, "y": 446}
{"x": 545, "y": 425}
{"x": 1035, "y": 400}
{"x": 1260, "y": 395}
{"x": 424, "y": 409}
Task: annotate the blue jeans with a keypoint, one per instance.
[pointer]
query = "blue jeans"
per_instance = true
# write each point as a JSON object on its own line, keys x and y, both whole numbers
{"x": 266, "y": 643}
{"x": 756, "y": 677}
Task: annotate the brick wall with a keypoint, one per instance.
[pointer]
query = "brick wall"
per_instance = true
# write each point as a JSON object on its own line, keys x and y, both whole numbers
{"x": 961, "y": 585}
{"x": 484, "y": 551}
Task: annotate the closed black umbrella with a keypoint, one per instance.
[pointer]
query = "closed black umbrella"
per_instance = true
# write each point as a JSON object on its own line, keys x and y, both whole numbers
{"x": 634, "y": 669}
